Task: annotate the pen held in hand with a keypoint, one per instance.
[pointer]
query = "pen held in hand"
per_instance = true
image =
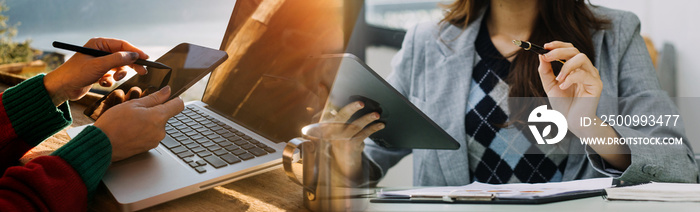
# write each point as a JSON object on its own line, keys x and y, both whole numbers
{"x": 99, "y": 53}
{"x": 527, "y": 46}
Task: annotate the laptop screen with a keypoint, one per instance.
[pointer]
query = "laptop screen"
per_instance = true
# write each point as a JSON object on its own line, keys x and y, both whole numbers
{"x": 269, "y": 84}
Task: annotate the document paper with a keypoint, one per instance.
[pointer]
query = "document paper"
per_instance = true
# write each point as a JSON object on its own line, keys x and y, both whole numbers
{"x": 515, "y": 191}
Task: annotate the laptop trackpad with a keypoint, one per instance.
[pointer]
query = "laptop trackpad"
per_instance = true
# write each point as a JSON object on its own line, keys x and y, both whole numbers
{"x": 159, "y": 173}
{"x": 139, "y": 158}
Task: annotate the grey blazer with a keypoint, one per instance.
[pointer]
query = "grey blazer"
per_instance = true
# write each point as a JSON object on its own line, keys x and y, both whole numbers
{"x": 434, "y": 67}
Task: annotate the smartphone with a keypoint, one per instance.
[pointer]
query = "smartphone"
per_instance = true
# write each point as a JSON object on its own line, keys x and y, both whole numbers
{"x": 189, "y": 64}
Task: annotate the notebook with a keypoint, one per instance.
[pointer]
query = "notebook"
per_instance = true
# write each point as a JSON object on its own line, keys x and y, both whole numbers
{"x": 667, "y": 192}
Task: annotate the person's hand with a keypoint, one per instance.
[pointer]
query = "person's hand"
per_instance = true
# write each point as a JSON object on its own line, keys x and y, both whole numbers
{"x": 138, "y": 125}
{"x": 118, "y": 96}
{"x": 72, "y": 80}
{"x": 575, "y": 92}
{"x": 348, "y": 155}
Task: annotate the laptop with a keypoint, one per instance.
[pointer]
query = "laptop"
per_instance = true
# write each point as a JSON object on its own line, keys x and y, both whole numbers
{"x": 254, "y": 102}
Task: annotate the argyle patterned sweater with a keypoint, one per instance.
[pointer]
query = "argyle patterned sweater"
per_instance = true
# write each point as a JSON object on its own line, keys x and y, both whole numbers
{"x": 63, "y": 181}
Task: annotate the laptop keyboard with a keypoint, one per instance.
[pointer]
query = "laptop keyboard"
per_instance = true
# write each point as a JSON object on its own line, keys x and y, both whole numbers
{"x": 201, "y": 140}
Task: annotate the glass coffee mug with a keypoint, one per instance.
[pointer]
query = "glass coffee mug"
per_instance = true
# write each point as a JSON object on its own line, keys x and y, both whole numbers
{"x": 325, "y": 182}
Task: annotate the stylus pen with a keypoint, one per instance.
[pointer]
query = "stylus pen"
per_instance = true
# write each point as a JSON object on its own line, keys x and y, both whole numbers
{"x": 98, "y": 53}
{"x": 532, "y": 47}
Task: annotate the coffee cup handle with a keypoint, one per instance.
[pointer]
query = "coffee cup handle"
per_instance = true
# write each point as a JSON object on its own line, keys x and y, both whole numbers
{"x": 288, "y": 157}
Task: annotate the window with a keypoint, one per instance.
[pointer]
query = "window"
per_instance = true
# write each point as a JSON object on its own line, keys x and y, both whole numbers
{"x": 402, "y": 14}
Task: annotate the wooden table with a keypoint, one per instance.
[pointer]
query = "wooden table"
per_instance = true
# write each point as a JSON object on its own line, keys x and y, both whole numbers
{"x": 270, "y": 191}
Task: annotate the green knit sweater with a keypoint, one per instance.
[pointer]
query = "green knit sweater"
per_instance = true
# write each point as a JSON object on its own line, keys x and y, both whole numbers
{"x": 35, "y": 118}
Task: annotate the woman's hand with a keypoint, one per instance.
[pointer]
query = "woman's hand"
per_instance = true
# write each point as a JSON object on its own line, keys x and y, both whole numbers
{"x": 575, "y": 92}
{"x": 358, "y": 130}
{"x": 72, "y": 80}
{"x": 138, "y": 125}
{"x": 348, "y": 155}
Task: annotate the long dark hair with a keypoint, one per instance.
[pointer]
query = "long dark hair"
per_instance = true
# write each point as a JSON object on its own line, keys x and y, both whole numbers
{"x": 563, "y": 20}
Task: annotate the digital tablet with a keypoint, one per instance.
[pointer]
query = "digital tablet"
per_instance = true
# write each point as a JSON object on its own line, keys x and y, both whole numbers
{"x": 405, "y": 125}
{"x": 189, "y": 64}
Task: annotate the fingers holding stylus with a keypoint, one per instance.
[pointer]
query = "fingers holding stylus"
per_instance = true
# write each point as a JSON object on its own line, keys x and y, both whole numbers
{"x": 557, "y": 44}
{"x": 580, "y": 62}
{"x": 546, "y": 74}
{"x": 559, "y": 51}
{"x": 116, "y": 46}
{"x": 577, "y": 70}
{"x": 591, "y": 85}
{"x": 565, "y": 53}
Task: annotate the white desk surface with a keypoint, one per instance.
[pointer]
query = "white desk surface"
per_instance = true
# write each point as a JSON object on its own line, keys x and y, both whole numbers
{"x": 591, "y": 204}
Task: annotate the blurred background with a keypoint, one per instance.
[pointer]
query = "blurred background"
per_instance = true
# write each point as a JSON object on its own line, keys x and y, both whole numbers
{"x": 158, "y": 25}
{"x": 154, "y": 26}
